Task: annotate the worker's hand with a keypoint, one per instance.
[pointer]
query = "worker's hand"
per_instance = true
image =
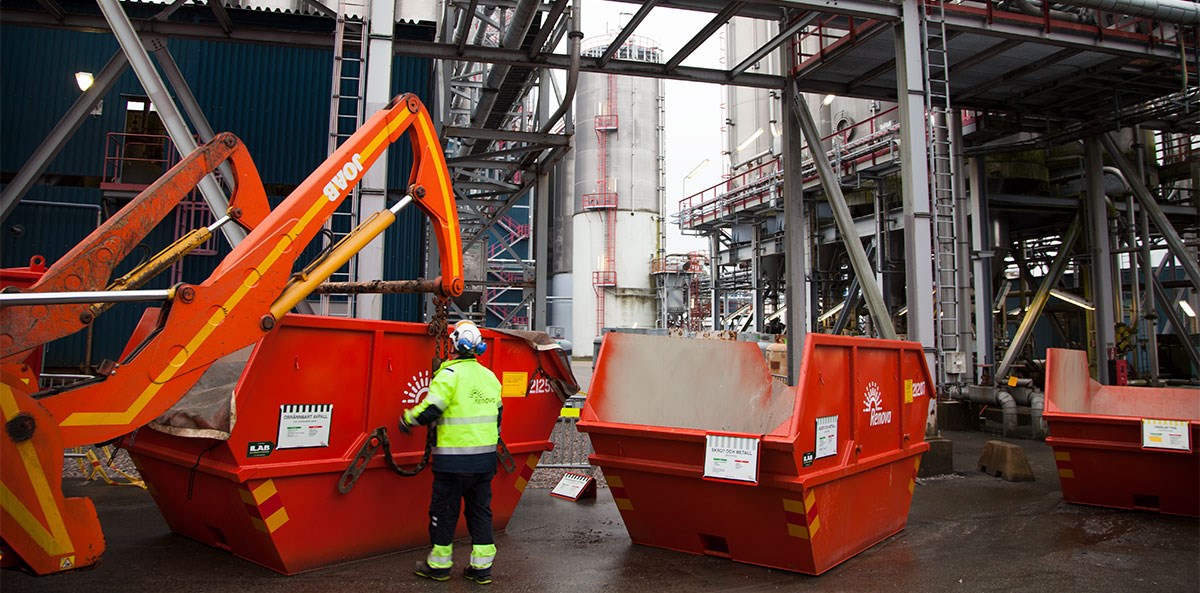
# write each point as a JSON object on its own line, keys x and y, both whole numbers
{"x": 405, "y": 426}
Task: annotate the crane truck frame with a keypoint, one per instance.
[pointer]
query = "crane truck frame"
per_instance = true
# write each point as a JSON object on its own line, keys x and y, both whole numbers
{"x": 240, "y": 302}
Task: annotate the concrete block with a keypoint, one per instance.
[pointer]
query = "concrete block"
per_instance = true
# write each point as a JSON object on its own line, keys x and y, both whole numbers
{"x": 939, "y": 459}
{"x": 1005, "y": 460}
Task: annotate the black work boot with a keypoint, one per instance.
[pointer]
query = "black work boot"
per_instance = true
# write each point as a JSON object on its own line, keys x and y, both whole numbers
{"x": 483, "y": 576}
{"x": 424, "y": 570}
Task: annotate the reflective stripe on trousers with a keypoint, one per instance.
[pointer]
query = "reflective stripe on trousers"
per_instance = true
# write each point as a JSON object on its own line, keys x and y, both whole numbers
{"x": 441, "y": 557}
{"x": 483, "y": 555}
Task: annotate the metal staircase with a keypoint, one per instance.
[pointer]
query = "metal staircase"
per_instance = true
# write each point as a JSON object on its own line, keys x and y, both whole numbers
{"x": 941, "y": 184}
{"x": 346, "y": 116}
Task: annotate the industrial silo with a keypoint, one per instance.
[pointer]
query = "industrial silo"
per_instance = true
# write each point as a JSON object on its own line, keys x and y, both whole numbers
{"x": 753, "y": 129}
{"x": 617, "y": 195}
{"x": 562, "y": 210}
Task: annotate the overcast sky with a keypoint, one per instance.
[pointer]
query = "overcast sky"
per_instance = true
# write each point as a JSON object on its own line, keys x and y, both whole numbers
{"x": 693, "y": 110}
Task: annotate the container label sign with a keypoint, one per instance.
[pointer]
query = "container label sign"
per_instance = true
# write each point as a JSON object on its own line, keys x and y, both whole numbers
{"x": 514, "y": 384}
{"x": 303, "y": 426}
{"x": 574, "y": 486}
{"x": 913, "y": 389}
{"x": 728, "y": 457}
{"x": 259, "y": 449}
{"x": 827, "y": 436}
{"x": 1166, "y": 434}
{"x": 873, "y": 405}
{"x": 807, "y": 458}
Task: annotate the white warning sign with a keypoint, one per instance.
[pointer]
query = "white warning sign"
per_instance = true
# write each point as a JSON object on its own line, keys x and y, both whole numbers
{"x": 304, "y": 425}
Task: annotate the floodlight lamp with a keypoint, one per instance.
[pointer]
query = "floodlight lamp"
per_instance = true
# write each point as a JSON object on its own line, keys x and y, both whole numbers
{"x": 747, "y": 141}
{"x": 830, "y": 313}
{"x": 1070, "y": 298}
{"x": 84, "y": 80}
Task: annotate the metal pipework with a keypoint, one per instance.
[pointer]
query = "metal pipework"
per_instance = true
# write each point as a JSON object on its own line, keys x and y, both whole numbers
{"x": 419, "y": 285}
{"x": 20, "y": 299}
{"x": 1182, "y": 12}
{"x": 304, "y": 283}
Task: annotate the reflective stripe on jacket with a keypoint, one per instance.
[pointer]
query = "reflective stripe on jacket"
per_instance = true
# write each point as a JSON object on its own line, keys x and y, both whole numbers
{"x": 468, "y": 395}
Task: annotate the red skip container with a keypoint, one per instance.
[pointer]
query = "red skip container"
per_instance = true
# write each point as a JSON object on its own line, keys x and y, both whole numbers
{"x": 837, "y": 457}
{"x": 24, "y": 278}
{"x": 1122, "y": 447}
{"x": 320, "y": 385}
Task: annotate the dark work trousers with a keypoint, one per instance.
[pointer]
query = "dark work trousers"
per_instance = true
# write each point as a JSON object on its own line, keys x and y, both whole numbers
{"x": 449, "y": 490}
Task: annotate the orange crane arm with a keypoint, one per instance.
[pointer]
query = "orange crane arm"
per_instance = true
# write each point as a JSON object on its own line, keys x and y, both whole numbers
{"x": 89, "y": 265}
{"x": 233, "y": 307}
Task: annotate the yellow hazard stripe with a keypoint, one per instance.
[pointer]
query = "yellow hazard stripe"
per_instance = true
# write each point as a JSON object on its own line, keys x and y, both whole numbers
{"x": 1062, "y": 456}
{"x": 58, "y": 540}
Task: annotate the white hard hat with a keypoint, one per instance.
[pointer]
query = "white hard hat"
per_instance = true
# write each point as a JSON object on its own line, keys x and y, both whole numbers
{"x": 467, "y": 338}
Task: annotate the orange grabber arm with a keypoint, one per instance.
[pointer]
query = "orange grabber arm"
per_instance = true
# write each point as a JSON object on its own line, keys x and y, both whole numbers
{"x": 233, "y": 307}
{"x": 89, "y": 265}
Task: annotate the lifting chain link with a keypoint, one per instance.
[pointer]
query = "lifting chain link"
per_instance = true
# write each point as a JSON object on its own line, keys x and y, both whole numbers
{"x": 437, "y": 326}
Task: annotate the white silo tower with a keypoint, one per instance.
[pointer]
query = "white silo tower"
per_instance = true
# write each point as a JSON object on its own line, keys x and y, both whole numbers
{"x": 618, "y": 199}
{"x": 753, "y": 129}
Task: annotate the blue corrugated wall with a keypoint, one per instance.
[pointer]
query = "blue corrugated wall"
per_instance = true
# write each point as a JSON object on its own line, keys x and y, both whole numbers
{"x": 275, "y": 98}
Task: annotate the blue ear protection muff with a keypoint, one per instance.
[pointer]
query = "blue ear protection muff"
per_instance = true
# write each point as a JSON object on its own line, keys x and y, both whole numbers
{"x": 464, "y": 345}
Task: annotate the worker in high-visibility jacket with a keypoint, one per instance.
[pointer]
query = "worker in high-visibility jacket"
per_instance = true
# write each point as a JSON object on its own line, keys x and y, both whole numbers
{"x": 464, "y": 402}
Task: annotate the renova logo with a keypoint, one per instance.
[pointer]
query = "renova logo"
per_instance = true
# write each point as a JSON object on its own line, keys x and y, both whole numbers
{"x": 417, "y": 389}
{"x": 339, "y": 182}
{"x": 873, "y": 399}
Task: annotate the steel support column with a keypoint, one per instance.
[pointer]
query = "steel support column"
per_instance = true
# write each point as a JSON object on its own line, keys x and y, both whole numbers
{"x": 714, "y": 246}
{"x": 795, "y": 233}
{"x": 541, "y": 219}
{"x": 1150, "y": 206}
{"x": 756, "y": 292}
{"x": 872, "y": 294}
{"x": 914, "y": 170}
{"x": 1101, "y": 252}
{"x": 1039, "y": 300}
{"x": 172, "y": 119}
{"x": 981, "y": 264}
{"x": 183, "y": 92}
{"x": 372, "y": 192}
{"x": 60, "y": 134}
{"x": 962, "y": 243}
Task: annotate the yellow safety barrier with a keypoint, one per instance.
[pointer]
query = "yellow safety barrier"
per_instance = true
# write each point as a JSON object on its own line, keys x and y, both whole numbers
{"x": 93, "y": 468}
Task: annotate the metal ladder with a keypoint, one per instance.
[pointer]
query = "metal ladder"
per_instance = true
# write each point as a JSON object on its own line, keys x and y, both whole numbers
{"x": 941, "y": 181}
{"x": 345, "y": 117}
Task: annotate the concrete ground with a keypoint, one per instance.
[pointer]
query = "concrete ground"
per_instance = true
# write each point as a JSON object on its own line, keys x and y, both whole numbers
{"x": 967, "y": 532}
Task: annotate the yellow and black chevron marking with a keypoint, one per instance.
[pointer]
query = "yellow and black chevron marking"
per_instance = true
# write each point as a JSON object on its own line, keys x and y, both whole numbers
{"x": 912, "y": 482}
{"x": 803, "y": 520}
{"x": 617, "y": 487}
{"x": 265, "y": 506}
{"x": 1063, "y": 460}
{"x": 527, "y": 472}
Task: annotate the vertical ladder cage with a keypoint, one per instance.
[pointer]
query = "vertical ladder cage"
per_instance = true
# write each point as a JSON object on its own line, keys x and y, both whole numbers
{"x": 345, "y": 117}
{"x": 939, "y": 153}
